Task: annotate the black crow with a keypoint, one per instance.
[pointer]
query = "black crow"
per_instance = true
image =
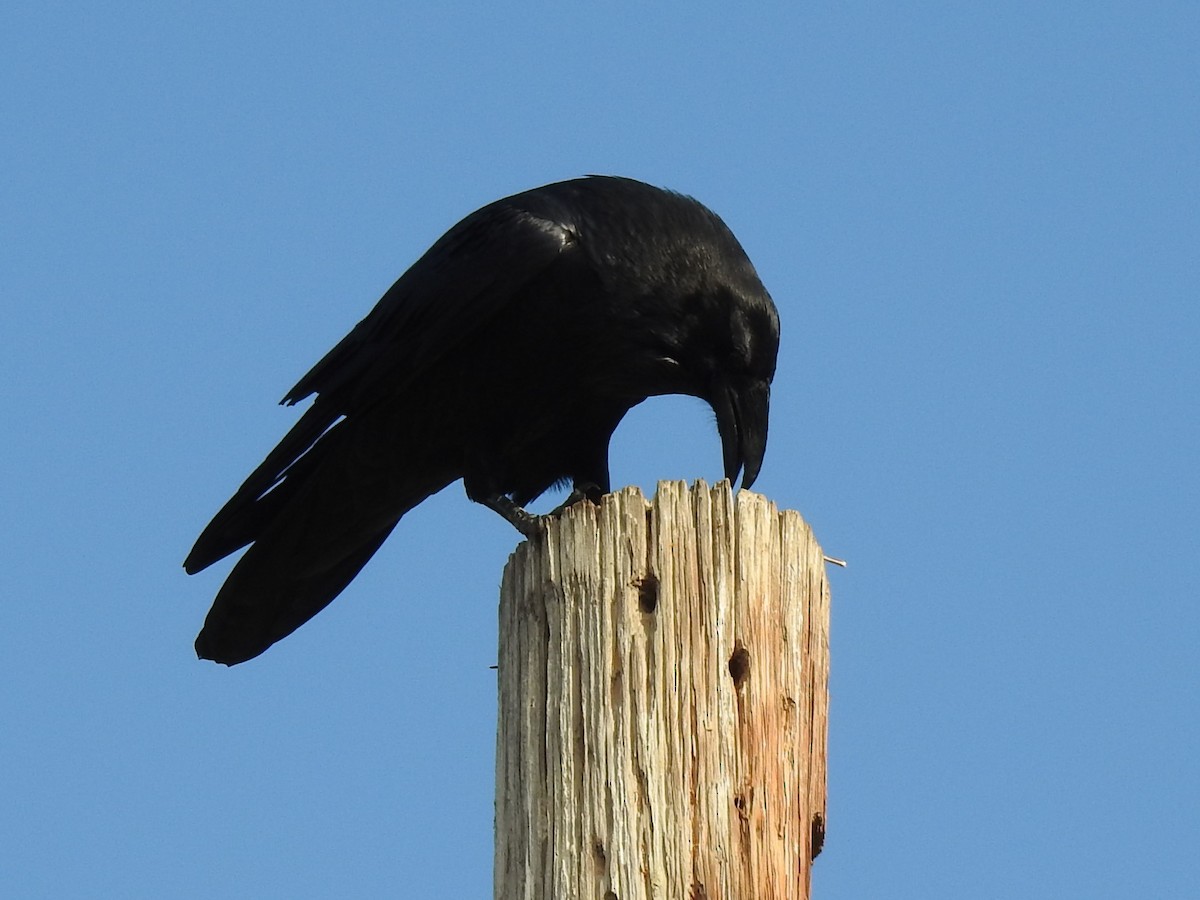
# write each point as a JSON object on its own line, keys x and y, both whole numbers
{"x": 506, "y": 356}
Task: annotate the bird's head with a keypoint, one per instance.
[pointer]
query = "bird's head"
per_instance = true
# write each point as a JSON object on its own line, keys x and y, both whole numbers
{"x": 740, "y": 384}
{"x": 724, "y": 352}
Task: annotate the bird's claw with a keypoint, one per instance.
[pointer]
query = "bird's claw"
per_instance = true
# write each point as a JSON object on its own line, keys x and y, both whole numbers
{"x": 584, "y": 490}
{"x": 529, "y": 524}
{"x": 532, "y": 524}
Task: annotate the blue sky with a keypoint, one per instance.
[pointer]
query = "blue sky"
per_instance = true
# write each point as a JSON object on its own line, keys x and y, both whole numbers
{"x": 981, "y": 226}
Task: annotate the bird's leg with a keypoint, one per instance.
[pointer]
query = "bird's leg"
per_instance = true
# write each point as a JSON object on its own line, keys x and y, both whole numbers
{"x": 583, "y": 490}
{"x": 529, "y": 524}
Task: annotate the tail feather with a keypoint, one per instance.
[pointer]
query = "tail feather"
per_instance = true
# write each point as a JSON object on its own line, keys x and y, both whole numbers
{"x": 260, "y": 604}
{"x": 265, "y": 491}
{"x": 312, "y": 522}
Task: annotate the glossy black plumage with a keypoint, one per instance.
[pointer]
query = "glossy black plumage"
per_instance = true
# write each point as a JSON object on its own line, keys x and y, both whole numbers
{"x": 506, "y": 356}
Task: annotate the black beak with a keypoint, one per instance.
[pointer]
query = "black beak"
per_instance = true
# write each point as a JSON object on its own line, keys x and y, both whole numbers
{"x": 742, "y": 423}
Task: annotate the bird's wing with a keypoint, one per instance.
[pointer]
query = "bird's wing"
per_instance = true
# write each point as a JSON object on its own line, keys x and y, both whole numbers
{"x": 469, "y": 275}
{"x": 464, "y": 279}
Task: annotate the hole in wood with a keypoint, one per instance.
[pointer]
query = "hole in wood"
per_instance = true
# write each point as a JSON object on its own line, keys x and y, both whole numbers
{"x": 739, "y": 665}
{"x": 739, "y": 803}
{"x": 817, "y": 834}
{"x": 598, "y": 854}
{"x": 648, "y": 593}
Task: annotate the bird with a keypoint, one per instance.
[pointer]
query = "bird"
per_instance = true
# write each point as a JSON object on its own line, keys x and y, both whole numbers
{"x": 505, "y": 356}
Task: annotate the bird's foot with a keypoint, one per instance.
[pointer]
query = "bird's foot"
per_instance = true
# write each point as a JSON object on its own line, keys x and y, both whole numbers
{"x": 583, "y": 490}
{"x": 529, "y": 524}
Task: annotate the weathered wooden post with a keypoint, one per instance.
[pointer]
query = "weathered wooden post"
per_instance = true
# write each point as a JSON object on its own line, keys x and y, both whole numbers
{"x": 663, "y": 690}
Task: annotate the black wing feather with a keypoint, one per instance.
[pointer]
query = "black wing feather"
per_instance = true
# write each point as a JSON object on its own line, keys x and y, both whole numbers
{"x": 461, "y": 282}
